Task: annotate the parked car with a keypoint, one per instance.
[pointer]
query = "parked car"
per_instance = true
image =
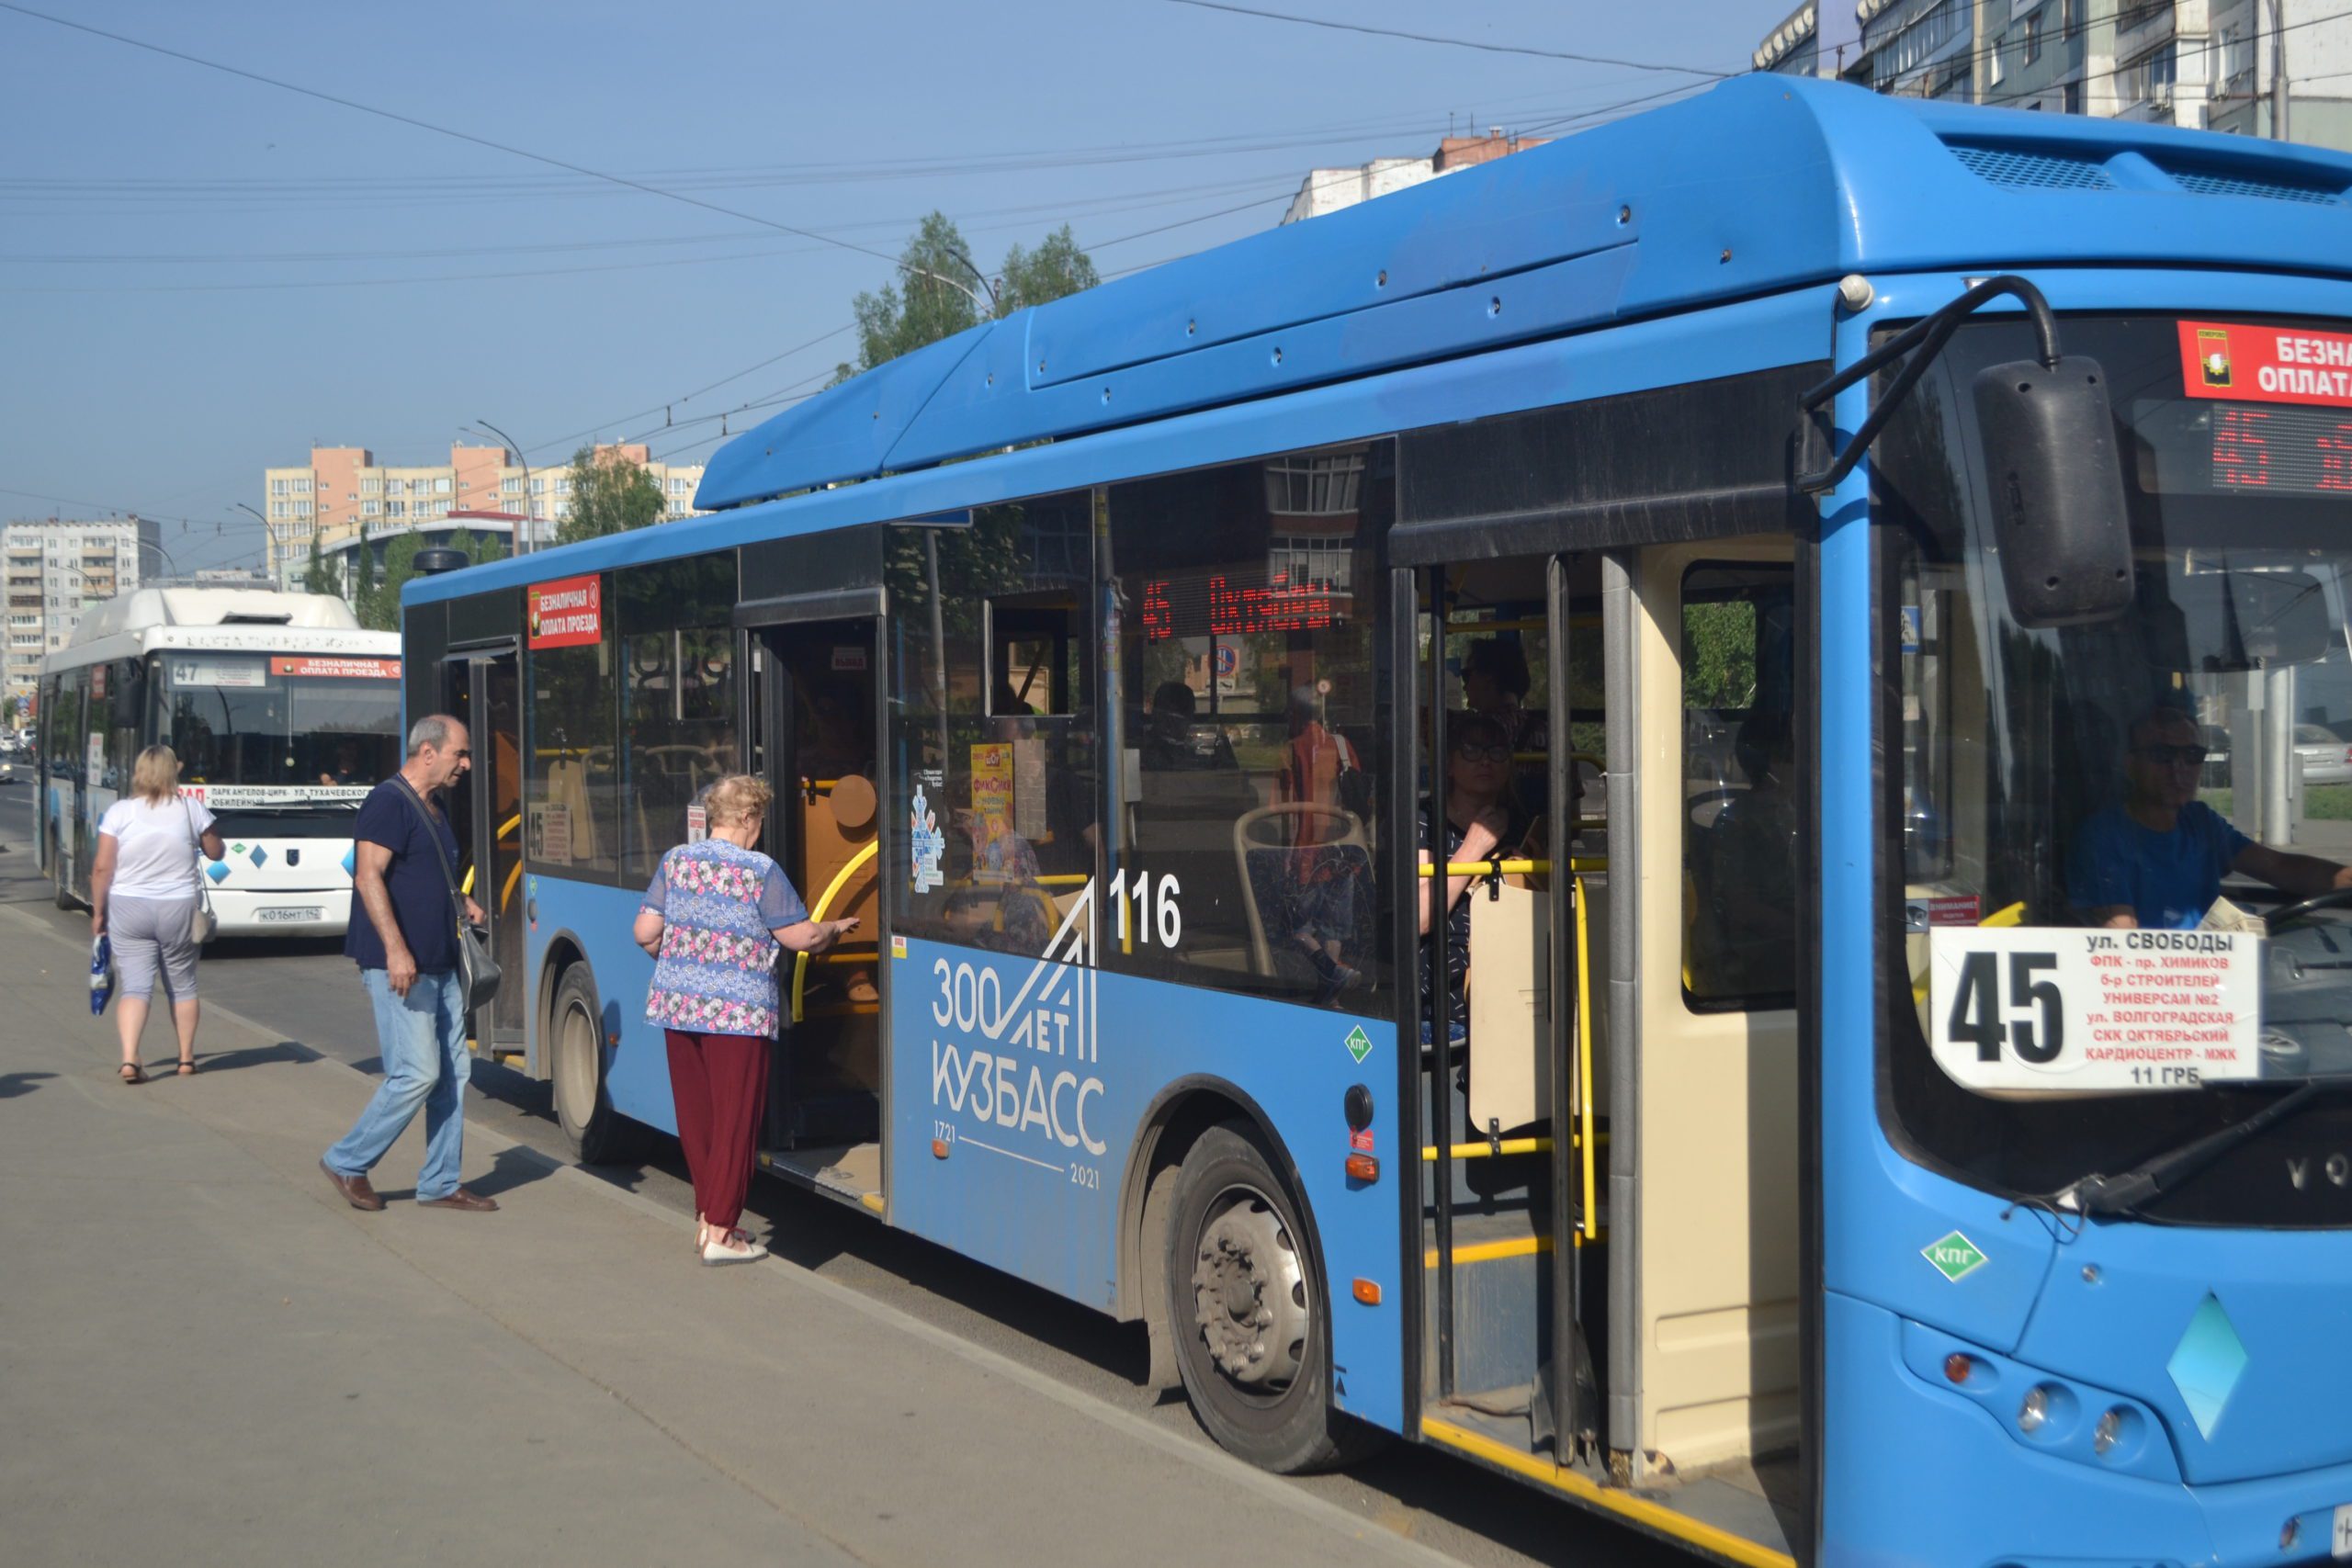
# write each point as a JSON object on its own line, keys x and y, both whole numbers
{"x": 2327, "y": 757}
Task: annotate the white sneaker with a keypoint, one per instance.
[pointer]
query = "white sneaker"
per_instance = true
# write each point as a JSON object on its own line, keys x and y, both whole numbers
{"x": 715, "y": 1253}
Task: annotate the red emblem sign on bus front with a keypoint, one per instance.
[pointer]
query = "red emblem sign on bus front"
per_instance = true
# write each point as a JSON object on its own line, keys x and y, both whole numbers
{"x": 2266, "y": 365}
{"x": 568, "y": 613}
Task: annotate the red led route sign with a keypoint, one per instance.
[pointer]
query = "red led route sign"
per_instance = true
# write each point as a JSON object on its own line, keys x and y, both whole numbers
{"x": 1216, "y": 606}
{"x": 568, "y": 613}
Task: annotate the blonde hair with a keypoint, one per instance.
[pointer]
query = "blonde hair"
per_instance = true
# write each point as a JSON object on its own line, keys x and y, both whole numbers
{"x": 738, "y": 797}
{"x": 156, "y": 775}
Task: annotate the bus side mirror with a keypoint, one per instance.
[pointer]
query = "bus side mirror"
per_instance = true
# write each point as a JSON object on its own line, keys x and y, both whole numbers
{"x": 2056, "y": 491}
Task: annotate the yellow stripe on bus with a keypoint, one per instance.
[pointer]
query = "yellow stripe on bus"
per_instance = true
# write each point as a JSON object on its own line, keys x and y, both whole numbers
{"x": 1487, "y": 1251}
{"x": 1652, "y": 1515}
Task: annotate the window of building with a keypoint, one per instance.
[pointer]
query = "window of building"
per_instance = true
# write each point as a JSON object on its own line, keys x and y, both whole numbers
{"x": 396, "y": 508}
{"x": 512, "y": 485}
{"x": 372, "y": 487}
{"x": 278, "y": 487}
{"x": 371, "y": 509}
{"x": 2032, "y": 40}
{"x": 440, "y": 487}
{"x": 1994, "y": 68}
{"x": 302, "y": 487}
{"x": 2149, "y": 78}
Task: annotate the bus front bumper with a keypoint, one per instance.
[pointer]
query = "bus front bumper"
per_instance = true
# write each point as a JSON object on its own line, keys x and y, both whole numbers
{"x": 324, "y": 911}
{"x": 1919, "y": 1472}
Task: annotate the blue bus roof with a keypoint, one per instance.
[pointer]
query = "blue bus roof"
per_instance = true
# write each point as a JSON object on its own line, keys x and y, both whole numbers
{"x": 1760, "y": 185}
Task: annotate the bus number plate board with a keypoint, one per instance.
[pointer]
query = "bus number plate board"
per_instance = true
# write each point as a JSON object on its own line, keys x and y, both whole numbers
{"x": 2056, "y": 1010}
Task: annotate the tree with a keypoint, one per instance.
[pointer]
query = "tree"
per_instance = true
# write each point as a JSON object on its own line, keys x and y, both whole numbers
{"x": 932, "y": 295}
{"x": 323, "y": 575}
{"x": 378, "y": 603}
{"x": 610, "y": 494}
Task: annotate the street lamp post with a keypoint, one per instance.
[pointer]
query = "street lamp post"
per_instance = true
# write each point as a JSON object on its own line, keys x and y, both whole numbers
{"x": 268, "y": 533}
{"x": 2279, "y": 71}
{"x": 530, "y": 502}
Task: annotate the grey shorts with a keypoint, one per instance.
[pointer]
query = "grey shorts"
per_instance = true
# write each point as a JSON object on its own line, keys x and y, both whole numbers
{"x": 151, "y": 933}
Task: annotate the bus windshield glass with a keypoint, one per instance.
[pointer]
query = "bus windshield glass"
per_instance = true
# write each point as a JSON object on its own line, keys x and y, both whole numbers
{"x": 2114, "y": 847}
{"x": 258, "y": 729}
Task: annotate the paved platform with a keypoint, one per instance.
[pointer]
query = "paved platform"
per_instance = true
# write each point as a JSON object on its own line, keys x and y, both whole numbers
{"x": 208, "y": 1356}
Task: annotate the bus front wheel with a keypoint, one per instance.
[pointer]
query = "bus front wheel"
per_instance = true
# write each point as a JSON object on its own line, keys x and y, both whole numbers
{"x": 583, "y": 1108}
{"x": 1245, "y": 1311}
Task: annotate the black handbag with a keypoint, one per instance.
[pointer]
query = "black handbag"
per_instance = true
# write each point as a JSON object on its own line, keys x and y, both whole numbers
{"x": 478, "y": 972}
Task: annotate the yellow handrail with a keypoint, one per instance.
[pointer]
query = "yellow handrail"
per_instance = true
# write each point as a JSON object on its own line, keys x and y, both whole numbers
{"x": 1589, "y": 1135}
{"x": 824, "y": 902}
{"x": 1488, "y": 1151}
{"x": 1515, "y": 868}
{"x": 2012, "y": 916}
{"x": 466, "y": 886}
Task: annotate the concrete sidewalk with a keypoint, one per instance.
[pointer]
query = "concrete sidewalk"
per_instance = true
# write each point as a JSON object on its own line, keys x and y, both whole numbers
{"x": 206, "y": 1356}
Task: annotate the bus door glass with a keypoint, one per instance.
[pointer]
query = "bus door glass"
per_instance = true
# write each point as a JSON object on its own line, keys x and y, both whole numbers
{"x": 1511, "y": 1037}
{"x": 490, "y": 823}
{"x": 821, "y": 762}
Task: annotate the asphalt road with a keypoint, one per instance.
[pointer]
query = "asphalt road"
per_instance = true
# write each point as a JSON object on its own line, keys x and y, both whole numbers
{"x": 308, "y": 991}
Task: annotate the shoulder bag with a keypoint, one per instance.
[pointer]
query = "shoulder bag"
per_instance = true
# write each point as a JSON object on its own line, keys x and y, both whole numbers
{"x": 478, "y": 972}
{"x": 204, "y": 922}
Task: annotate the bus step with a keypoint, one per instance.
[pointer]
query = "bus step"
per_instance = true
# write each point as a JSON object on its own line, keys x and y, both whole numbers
{"x": 847, "y": 1173}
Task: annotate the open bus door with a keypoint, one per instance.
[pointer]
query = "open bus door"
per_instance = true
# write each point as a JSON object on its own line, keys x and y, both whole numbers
{"x": 1614, "y": 1215}
{"x": 815, "y": 714}
{"x": 482, "y": 687}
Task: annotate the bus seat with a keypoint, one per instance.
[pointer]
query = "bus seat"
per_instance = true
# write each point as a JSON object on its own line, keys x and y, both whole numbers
{"x": 1262, "y": 841}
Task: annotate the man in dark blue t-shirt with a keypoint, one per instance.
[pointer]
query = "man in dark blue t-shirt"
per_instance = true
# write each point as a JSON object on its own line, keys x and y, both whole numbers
{"x": 403, "y": 934}
{"x": 2157, "y": 860}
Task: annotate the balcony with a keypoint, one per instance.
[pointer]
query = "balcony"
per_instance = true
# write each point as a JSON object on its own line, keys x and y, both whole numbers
{"x": 2139, "y": 23}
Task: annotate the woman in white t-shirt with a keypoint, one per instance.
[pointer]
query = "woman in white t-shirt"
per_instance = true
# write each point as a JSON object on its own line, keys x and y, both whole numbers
{"x": 142, "y": 893}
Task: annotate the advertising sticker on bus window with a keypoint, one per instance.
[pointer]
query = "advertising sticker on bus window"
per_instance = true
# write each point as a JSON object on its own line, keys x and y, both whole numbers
{"x": 324, "y": 664}
{"x": 2056, "y": 1010}
{"x": 566, "y": 613}
{"x": 2266, "y": 365}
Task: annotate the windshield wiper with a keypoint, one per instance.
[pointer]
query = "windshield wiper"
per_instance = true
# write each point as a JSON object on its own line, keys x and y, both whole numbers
{"x": 2151, "y": 1179}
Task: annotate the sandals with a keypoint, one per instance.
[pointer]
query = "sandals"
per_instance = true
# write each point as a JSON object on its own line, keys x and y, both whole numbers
{"x": 188, "y": 1067}
{"x": 131, "y": 1072}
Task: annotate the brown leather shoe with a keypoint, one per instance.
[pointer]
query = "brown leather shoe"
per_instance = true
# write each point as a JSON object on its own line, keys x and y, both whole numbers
{"x": 471, "y": 1202}
{"x": 355, "y": 1188}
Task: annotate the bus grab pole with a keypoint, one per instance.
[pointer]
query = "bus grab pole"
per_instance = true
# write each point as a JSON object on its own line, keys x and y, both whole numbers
{"x": 1440, "y": 1003}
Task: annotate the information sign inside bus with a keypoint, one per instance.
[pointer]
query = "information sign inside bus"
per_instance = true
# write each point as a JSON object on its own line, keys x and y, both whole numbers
{"x": 2266, "y": 365}
{"x": 568, "y": 613}
{"x": 322, "y": 664}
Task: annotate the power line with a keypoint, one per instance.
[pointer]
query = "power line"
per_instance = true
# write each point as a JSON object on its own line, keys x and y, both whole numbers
{"x": 449, "y": 131}
{"x": 1451, "y": 43}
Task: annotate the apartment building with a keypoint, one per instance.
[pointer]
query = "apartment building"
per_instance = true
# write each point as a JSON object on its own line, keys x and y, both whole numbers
{"x": 2203, "y": 64}
{"x": 345, "y": 498}
{"x": 56, "y": 567}
{"x": 1329, "y": 190}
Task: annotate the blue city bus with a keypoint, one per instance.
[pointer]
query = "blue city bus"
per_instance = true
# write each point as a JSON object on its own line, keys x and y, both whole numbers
{"x": 1761, "y": 548}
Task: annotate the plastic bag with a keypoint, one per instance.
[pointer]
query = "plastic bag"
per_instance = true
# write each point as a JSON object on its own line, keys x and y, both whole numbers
{"x": 101, "y": 974}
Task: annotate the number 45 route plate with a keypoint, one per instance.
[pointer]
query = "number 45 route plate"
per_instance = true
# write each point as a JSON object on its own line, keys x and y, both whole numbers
{"x": 2054, "y": 1009}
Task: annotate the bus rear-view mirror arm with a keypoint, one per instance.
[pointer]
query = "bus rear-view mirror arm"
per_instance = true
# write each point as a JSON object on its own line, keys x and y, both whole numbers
{"x": 2047, "y": 434}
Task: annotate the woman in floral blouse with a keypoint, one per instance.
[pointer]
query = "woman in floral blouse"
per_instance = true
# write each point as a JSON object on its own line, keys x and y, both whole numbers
{"x": 714, "y": 919}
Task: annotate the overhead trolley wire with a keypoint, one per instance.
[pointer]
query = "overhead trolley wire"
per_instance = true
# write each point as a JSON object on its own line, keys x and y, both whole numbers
{"x": 1450, "y": 42}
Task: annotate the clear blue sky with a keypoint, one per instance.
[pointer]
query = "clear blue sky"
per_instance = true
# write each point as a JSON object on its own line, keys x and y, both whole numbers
{"x": 205, "y": 275}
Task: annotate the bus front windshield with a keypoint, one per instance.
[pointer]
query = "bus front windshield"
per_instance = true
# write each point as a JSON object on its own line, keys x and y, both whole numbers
{"x": 2111, "y": 846}
{"x": 298, "y": 727}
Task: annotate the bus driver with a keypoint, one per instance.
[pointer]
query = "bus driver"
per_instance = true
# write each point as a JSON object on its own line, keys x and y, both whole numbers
{"x": 2156, "y": 859}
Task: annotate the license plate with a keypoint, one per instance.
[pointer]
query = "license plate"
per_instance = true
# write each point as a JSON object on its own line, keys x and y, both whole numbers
{"x": 298, "y": 912}
{"x": 2340, "y": 1545}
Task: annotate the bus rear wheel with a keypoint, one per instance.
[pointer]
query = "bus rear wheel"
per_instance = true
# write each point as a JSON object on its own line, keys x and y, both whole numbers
{"x": 583, "y": 1108}
{"x": 1245, "y": 1311}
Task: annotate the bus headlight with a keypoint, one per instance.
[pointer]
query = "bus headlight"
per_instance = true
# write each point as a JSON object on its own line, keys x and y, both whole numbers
{"x": 2034, "y": 1414}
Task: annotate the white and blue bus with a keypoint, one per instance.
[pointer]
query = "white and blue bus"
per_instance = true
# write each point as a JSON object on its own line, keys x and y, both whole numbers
{"x": 1798, "y": 501}
{"x": 284, "y": 712}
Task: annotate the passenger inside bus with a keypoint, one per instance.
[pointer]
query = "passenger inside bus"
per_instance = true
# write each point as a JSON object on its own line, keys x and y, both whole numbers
{"x": 1309, "y": 857}
{"x": 1480, "y": 818}
{"x": 2157, "y": 858}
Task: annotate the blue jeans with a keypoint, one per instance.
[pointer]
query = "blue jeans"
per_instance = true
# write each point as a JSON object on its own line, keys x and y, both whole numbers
{"x": 425, "y": 1063}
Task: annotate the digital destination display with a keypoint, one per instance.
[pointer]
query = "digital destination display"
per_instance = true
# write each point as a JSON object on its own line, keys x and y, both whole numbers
{"x": 2291, "y": 449}
{"x": 1215, "y": 605}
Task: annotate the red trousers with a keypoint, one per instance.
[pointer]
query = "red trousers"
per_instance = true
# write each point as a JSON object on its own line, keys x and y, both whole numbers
{"x": 719, "y": 1084}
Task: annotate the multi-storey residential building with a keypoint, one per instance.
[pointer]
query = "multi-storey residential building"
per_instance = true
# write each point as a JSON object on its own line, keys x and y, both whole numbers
{"x": 2208, "y": 64}
{"x": 1328, "y": 190}
{"x": 56, "y": 567}
{"x": 344, "y": 497}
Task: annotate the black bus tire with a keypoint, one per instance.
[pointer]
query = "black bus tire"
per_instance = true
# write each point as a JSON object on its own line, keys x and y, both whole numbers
{"x": 576, "y": 1046}
{"x": 1245, "y": 1311}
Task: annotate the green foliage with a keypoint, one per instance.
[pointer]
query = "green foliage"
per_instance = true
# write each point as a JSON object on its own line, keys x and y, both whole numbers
{"x": 610, "y": 494}
{"x": 378, "y": 603}
{"x": 932, "y": 297}
{"x": 8, "y": 708}
{"x": 323, "y": 575}
{"x": 1719, "y": 654}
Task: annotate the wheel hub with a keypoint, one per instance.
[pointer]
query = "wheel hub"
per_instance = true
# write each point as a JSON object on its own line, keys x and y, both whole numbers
{"x": 1249, "y": 1293}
